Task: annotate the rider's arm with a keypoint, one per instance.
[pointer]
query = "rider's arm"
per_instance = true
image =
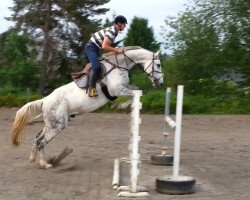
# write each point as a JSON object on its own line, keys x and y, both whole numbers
{"x": 106, "y": 45}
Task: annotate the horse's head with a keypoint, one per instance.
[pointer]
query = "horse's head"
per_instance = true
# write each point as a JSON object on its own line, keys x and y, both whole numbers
{"x": 152, "y": 66}
{"x": 149, "y": 60}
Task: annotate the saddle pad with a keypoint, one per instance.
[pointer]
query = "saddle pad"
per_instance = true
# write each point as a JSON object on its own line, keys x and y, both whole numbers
{"x": 82, "y": 82}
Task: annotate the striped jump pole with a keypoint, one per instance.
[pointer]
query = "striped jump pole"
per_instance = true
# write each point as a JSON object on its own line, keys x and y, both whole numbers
{"x": 133, "y": 190}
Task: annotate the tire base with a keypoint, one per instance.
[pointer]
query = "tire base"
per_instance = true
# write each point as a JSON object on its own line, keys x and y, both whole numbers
{"x": 180, "y": 186}
{"x": 166, "y": 160}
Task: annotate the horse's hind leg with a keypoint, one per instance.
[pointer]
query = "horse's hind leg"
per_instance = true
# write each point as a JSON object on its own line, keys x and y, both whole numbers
{"x": 33, "y": 153}
{"x": 34, "y": 149}
{"x": 58, "y": 125}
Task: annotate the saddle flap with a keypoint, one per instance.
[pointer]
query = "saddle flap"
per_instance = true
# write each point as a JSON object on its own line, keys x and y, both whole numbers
{"x": 83, "y": 81}
{"x": 86, "y": 71}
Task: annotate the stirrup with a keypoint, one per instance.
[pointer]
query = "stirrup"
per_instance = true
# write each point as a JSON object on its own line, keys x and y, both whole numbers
{"x": 92, "y": 92}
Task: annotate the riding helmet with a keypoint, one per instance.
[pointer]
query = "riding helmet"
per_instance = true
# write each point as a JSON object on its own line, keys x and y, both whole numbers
{"x": 120, "y": 19}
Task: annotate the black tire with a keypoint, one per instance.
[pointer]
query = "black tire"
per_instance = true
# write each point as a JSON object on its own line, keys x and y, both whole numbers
{"x": 184, "y": 185}
{"x": 166, "y": 160}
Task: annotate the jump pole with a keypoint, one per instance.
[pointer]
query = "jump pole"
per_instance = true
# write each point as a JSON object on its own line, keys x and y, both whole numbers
{"x": 164, "y": 158}
{"x": 116, "y": 174}
{"x": 133, "y": 190}
{"x": 176, "y": 184}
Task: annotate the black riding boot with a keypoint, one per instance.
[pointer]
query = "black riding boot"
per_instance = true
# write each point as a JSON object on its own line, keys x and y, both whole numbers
{"x": 92, "y": 84}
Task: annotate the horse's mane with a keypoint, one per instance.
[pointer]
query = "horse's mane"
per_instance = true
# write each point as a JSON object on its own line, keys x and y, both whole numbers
{"x": 125, "y": 48}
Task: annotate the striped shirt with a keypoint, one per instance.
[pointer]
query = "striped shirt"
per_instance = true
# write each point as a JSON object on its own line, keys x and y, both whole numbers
{"x": 98, "y": 37}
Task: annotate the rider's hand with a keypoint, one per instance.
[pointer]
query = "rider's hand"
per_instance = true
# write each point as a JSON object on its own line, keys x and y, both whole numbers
{"x": 119, "y": 50}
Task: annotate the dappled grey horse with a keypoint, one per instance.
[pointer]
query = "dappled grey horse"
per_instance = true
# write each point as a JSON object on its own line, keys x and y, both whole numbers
{"x": 67, "y": 99}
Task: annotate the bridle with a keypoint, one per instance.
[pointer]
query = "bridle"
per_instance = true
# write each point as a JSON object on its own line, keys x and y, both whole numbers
{"x": 149, "y": 74}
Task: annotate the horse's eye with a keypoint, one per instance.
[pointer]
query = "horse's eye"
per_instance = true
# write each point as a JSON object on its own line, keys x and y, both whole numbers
{"x": 158, "y": 65}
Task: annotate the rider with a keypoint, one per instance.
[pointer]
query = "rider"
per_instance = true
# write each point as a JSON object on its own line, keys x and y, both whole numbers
{"x": 102, "y": 40}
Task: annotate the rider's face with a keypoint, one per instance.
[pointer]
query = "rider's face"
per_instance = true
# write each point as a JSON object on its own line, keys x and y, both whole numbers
{"x": 121, "y": 26}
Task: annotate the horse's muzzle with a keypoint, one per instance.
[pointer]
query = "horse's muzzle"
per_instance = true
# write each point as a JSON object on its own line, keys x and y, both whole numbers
{"x": 157, "y": 84}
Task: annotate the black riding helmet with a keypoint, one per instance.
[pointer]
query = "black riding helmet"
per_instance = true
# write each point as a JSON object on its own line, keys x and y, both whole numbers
{"x": 120, "y": 19}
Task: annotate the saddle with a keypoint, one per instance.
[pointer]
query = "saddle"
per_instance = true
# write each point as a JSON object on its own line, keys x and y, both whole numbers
{"x": 85, "y": 71}
{"x": 82, "y": 79}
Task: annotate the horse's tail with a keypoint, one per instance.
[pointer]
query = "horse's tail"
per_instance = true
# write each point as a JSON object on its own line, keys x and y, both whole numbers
{"x": 23, "y": 116}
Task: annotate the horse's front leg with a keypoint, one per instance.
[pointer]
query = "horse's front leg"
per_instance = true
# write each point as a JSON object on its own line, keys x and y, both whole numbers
{"x": 125, "y": 91}
{"x": 126, "y": 104}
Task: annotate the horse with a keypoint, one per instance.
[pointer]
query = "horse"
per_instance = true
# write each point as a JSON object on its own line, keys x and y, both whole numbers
{"x": 57, "y": 107}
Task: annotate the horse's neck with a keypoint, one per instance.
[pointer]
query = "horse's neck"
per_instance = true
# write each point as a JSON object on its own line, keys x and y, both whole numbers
{"x": 136, "y": 56}
{"x": 121, "y": 61}
{"x": 128, "y": 60}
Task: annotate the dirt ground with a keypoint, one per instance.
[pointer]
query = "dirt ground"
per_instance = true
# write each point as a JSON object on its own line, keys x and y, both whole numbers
{"x": 215, "y": 151}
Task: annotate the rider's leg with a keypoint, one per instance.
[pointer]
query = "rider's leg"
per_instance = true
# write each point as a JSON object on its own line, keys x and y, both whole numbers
{"x": 93, "y": 54}
{"x": 92, "y": 84}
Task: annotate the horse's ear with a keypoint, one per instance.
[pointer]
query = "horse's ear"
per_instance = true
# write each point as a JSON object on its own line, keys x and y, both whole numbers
{"x": 157, "y": 54}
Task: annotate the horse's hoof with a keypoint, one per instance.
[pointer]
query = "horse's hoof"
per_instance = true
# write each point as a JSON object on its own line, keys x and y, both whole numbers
{"x": 31, "y": 160}
{"x": 45, "y": 165}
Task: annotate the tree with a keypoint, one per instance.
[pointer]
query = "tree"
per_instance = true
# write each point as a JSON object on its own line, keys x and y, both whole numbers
{"x": 232, "y": 21}
{"x": 18, "y": 67}
{"x": 69, "y": 22}
{"x": 139, "y": 34}
{"x": 209, "y": 39}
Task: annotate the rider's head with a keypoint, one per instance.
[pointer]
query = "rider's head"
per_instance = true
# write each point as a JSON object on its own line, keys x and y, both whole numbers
{"x": 120, "y": 22}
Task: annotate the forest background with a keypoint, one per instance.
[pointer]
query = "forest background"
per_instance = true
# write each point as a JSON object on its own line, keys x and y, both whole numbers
{"x": 209, "y": 44}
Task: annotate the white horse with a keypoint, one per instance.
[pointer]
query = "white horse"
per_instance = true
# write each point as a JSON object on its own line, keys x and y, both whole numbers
{"x": 67, "y": 99}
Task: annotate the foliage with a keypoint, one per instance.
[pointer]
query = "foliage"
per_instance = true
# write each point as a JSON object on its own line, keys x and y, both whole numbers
{"x": 210, "y": 41}
{"x": 66, "y": 23}
{"x": 18, "y": 67}
{"x": 139, "y": 34}
{"x": 12, "y": 97}
{"x": 71, "y": 22}
{"x": 139, "y": 79}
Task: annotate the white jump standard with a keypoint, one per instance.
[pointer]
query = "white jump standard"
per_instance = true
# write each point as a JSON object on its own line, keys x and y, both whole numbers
{"x": 164, "y": 158}
{"x": 133, "y": 190}
{"x": 176, "y": 184}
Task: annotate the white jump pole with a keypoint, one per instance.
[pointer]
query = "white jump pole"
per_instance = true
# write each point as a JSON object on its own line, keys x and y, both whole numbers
{"x": 116, "y": 174}
{"x": 177, "y": 141}
{"x": 176, "y": 184}
{"x": 134, "y": 190}
{"x": 164, "y": 158}
{"x": 168, "y": 119}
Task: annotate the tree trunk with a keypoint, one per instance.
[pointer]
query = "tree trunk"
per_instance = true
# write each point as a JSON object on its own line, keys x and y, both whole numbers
{"x": 45, "y": 47}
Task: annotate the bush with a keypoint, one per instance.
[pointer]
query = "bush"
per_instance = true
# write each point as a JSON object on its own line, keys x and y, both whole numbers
{"x": 15, "y": 98}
